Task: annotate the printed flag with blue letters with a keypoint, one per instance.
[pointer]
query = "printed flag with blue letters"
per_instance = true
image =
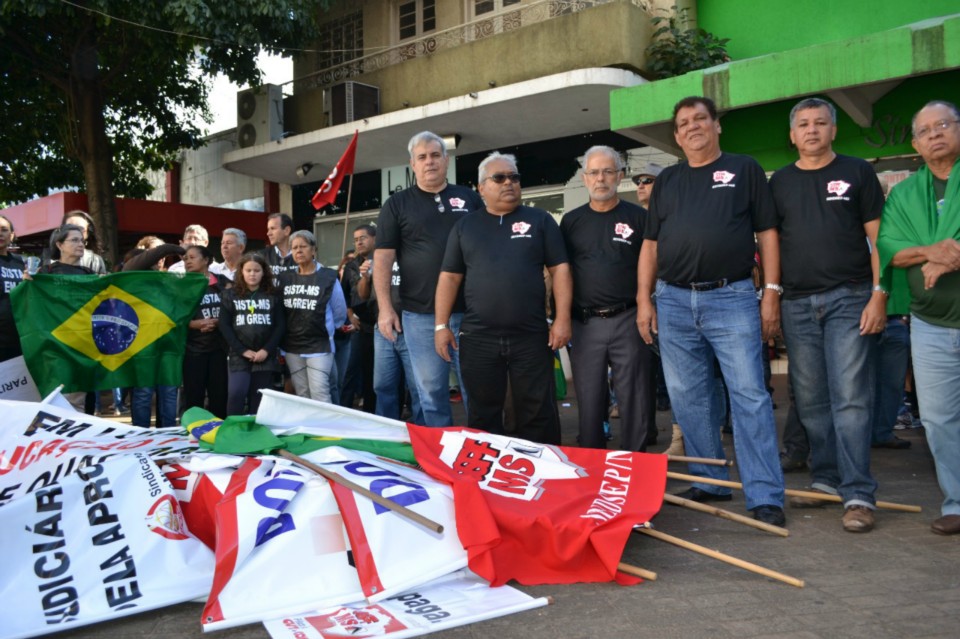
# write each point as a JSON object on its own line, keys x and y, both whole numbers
{"x": 91, "y": 332}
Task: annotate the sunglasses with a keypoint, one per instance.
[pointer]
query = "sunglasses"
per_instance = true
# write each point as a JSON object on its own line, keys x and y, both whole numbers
{"x": 643, "y": 180}
{"x": 500, "y": 178}
{"x": 439, "y": 202}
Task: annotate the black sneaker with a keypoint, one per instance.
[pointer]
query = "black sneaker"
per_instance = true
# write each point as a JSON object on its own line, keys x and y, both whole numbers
{"x": 772, "y": 515}
{"x": 790, "y": 465}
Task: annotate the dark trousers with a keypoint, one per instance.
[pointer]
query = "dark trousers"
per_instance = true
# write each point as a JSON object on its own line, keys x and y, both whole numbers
{"x": 205, "y": 375}
{"x": 244, "y": 390}
{"x": 614, "y": 342}
{"x": 366, "y": 371}
{"x": 487, "y": 362}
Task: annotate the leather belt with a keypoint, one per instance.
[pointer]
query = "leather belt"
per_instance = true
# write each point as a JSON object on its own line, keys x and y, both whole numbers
{"x": 701, "y": 286}
{"x": 605, "y": 312}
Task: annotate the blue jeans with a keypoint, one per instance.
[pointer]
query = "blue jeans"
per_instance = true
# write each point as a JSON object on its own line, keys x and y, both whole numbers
{"x": 833, "y": 374}
{"x": 391, "y": 363}
{"x": 936, "y": 371}
{"x": 893, "y": 359}
{"x": 694, "y": 326}
{"x": 140, "y": 406}
{"x": 431, "y": 374}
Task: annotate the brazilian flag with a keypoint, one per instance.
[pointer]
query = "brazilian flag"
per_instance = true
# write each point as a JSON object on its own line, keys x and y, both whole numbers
{"x": 91, "y": 332}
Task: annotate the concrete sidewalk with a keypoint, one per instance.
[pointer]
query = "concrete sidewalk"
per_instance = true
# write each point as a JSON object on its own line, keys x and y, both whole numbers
{"x": 900, "y": 580}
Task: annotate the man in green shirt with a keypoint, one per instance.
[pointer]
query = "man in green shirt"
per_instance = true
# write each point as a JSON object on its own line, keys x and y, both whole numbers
{"x": 919, "y": 232}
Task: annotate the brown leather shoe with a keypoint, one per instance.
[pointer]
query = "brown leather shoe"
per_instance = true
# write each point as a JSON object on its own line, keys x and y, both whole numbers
{"x": 946, "y": 525}
{"x": 858, "y": 519}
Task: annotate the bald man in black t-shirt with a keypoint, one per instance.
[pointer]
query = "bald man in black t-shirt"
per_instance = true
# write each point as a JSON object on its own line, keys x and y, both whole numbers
{"x": 603, "y": 239}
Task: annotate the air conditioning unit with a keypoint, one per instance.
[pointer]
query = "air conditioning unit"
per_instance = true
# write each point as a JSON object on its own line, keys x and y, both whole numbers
{"x": 259, "y": 115}
{"x": 349, "y": 101}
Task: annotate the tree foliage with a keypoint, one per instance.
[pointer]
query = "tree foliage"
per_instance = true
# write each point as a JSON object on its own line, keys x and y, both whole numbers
{"x": 94, "y": 93}
{"x": 676, "y": 50}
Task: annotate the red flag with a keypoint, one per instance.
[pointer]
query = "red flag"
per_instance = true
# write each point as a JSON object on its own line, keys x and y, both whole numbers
{"x": 327, "y": 192}
{"x": 541, "y": 514}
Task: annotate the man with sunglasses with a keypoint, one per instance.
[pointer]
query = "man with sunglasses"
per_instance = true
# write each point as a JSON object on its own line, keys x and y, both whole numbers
{"x": 698, "y": 257}
{"x": 499, "y": 254}
{"x": 603, "y": 239}
{"x": 412, "y": 230}
{"x": 919, "y": 230}
{"x": 644, "y": 183}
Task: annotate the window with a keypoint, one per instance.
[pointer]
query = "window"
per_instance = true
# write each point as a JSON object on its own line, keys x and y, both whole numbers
{"x": 341, "y": 40}
{"x": 416, "y": 17}
{"x": 481, "y": 7}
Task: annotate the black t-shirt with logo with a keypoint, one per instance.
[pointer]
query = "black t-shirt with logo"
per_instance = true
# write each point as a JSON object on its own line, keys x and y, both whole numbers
{"x": 305, "y": 299}
{"x": 209, "y": 307}
{"x": 11, "y": 273}
{"x": 252, "y": 322}
{"x": 411, "y": 223}
{"x": 604, "y": 249}
{"x": 278, "y": 264}
{"x": 822, "y": 213}
{"x": 703, "y": 219}
{"x": 502, "y": 261}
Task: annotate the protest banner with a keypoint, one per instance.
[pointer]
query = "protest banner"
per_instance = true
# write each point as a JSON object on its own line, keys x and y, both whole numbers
{"x": 104, "y": 541}
{"x": 542, "y": 514}
{"x": 448, "y": 602}
{"x": 16, "y": 381}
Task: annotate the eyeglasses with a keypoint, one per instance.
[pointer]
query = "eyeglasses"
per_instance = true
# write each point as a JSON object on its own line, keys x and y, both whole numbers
{"x": 500, "y": 178}
{"x": 436, "y": 198}
{"x": 362, "y": 238}
{"x": 73, "y": 240}
{"x": 606, "y": 173}
{"x": 638, "y": 180}
{"x": 939, "y": 125}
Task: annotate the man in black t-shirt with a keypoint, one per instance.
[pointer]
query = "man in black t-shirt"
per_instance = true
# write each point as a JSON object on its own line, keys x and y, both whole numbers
{"x": 412, "y": 230}
{"x": 833, "y": 306}
{"x": 698, "y": 248}
{"x": 362, "y": 313}
{"x": 499, "y": 254}
{"x": 603, "y": 239}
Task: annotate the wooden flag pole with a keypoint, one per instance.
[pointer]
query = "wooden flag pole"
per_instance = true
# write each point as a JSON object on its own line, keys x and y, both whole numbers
{"x": 726, "y": 514}
{"x": 733, "y": 561}
{"x": 886, "y": 505}
{"x": 346, "y": 219}
{"x": 700, "y": 460}
{"x": 357, "y": 488}
{"x": 637, "y": 571}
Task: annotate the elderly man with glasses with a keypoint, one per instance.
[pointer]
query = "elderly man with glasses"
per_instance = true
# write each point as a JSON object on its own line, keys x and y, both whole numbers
{"x": 919, "y": 230}
{"x": 499, "y": 254}
{"x": 412, "y": 230}
{"x": 603, "y": 239}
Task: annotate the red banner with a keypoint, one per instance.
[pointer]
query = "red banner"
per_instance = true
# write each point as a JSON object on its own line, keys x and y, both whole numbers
{"x": 327, "y": 192}
{"x": 542, "y": 514}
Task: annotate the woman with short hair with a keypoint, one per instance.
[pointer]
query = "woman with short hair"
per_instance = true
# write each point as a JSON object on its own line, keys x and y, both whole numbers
{"x": 314, "y": 306}
{"x": 205, "y": 355}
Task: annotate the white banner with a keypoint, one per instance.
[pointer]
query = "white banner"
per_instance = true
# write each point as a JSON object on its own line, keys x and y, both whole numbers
{"x": 40, "y": 443}
{"x": 16, "y": 382}
{"x": 103, "y": 542}
{"x": 448, "y": 602}
{"x": 281, "y": 547}
{"x": 392, "y": 553}
{"x": 288, "y": 414}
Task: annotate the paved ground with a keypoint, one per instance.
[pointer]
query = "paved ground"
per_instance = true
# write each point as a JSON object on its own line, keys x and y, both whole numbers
{"x": 900, "y": 580}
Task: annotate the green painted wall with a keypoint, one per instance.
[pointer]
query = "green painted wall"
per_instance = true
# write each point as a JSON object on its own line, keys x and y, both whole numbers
{"x": 758, "y": 27}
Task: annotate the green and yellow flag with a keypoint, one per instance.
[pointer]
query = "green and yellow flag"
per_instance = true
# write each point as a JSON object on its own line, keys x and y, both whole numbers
{"x": 91, "y": 332}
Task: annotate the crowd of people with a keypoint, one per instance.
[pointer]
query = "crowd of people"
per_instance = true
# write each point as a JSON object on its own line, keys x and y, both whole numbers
{"x": 474, "y": 289}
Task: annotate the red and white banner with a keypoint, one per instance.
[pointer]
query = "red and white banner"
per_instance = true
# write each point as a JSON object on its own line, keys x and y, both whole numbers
{"x": 281, "y": 547}
{"x": 41, "y": 443}
{"x": 392, "y": 553}
{"x": 542, "y": 514}
{"x": 105, "y": 541}
{"x": 455, "y": 600}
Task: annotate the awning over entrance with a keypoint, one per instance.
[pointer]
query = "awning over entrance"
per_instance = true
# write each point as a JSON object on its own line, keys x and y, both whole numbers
{"x": 866, "y": 77}
{"x": 550, "y": 107}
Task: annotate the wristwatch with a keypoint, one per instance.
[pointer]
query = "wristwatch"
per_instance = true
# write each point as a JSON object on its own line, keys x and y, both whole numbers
{"x": 880, "y": 289}
{"x": 774, "y": 287}
{"x": 440, "y": 327}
